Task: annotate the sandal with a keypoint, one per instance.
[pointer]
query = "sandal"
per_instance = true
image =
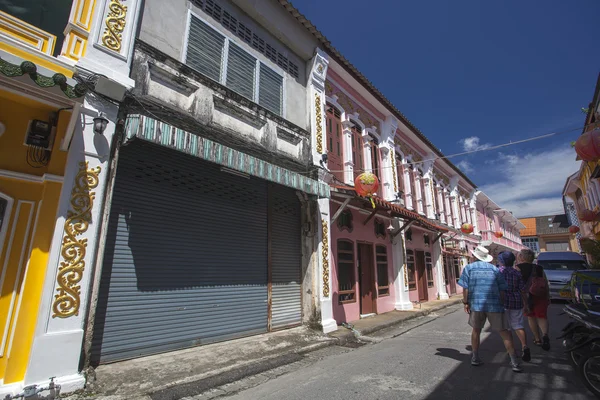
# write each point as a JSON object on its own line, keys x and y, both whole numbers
{"x": 537, "y": 342}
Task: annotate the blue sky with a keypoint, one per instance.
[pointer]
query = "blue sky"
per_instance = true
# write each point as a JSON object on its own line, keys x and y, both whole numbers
{"x": 475, "y": 73}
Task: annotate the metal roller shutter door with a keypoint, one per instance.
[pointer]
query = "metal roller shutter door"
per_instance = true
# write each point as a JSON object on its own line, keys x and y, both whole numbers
{"x": 186, "y": 256}
{"x": 286, "y": 258}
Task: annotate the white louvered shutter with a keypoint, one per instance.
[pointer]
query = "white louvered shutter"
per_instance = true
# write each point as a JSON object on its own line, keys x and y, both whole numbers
{"x": 270, "y": 93}
{"x": 205, "y": 49}
{"x": 241, "y": 69}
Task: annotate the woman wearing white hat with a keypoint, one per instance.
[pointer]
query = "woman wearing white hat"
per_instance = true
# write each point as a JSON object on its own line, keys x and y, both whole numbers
{"x": 483, "y": 298}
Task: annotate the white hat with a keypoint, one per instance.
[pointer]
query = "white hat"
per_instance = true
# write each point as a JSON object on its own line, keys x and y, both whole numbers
{"x": 482, "y": 254}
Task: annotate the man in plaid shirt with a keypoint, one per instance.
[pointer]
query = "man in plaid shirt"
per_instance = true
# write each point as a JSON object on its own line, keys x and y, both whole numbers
{"x": 514, "y": 299}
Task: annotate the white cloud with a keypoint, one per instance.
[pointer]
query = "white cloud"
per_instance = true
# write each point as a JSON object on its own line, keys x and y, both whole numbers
{"x": 473, "y": 143}
{"x": 465, "y": 166}
{"x": 531, "y": 185}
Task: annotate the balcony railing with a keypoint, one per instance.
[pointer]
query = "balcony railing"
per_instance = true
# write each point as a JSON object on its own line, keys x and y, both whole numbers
{"x": 503, "y": 241}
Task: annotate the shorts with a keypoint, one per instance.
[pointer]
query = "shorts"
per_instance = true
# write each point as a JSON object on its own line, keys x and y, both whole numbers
{"x": 539, "y": 309}
{"x": 514, "y": 319}
{"x": 497, "y": 320}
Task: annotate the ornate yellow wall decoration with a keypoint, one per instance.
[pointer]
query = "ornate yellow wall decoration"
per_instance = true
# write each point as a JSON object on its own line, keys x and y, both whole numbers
{"x": 67, "y": 301}
{"x": 319, "y": 115}
{"x": 115, "y": 24}
{"x": 325, "y": 254}
{"x": 394, "y": 171}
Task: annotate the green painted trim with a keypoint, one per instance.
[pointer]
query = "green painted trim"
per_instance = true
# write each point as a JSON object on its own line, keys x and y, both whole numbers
{"x": 27, "y": 67}
{"x": 142, "y": 127}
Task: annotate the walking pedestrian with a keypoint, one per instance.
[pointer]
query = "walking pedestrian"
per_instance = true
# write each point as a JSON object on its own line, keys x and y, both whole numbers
{"x": 538, "y": 293}
{"x": 483, "y": 299}
{"x": 515, "y": 301}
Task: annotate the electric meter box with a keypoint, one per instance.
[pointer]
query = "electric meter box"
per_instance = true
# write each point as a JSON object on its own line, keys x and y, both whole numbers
{"x": 39, "y": 134}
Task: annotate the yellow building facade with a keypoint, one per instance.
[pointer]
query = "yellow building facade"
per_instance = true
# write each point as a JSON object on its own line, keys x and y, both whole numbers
{"x": 51, "y": 160}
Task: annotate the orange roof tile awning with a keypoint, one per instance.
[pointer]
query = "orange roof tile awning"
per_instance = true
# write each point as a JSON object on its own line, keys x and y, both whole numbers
{"x": 396, "y": 209}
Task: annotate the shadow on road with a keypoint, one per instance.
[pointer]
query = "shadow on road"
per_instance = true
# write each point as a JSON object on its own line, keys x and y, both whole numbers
{"x": 548, "y": 376}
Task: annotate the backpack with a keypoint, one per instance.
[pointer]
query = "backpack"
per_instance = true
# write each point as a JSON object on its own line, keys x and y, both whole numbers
{"x": 538, "y": 285}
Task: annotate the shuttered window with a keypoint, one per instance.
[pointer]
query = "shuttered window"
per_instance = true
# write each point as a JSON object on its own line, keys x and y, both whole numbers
{"x": 241, "y": 69}
{"x": 205, "y": 49}
{"x": 271, "y": 90}
{"x": 237, "y": 70}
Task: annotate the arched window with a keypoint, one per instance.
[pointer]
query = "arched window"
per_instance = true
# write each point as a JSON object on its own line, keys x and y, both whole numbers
{"x": 335, "y": 148}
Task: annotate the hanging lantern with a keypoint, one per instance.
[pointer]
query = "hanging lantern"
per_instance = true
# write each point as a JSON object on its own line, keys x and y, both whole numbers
{"x": 588, "y": 145}
{"x": 366, "y": 185}
{"x": 466, "y": 228}
{"x": 498, "y": 234}
{"x": 573, "y": 229}
{"x": 587, "y": 215}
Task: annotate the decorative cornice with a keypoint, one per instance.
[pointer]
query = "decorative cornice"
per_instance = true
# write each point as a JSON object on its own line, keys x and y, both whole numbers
{"x": 27, "y": 67}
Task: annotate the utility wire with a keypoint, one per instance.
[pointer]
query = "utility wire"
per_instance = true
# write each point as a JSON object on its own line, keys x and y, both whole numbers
{"x": 511, "y": 143}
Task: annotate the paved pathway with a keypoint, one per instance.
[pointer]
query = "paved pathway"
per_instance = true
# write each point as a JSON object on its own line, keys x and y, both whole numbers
{"x": 428, "y": 360}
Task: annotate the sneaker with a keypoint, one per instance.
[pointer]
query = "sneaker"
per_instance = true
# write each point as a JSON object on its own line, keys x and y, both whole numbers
{"x": 526, "y": 354}
{"x": 476, "y": 362}
{"x": 546, "y": 343}
{"x": 516, "y": 367}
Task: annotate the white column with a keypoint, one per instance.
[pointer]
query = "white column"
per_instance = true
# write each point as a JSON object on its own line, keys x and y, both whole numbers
{"x": 324, "y": 289}
{"x": 462, "y": 211}
{"x": 440, "y": 196}
{"x": 408, "y": 197}
{"x": 448, "y": 209}
{"x": 439, "y": 266}
{"x": 107, "y": 54}
{"x": 429, "y": 211}
{"x": 59, "y": 334}
{"x": 348, "y": 162}
{"x": 418, "y": 192}
{"x": 368, "y": 163}
{"x": 402, "y": 300}
{"x": 316, "y": 106}
{"x": 387, "y": 171}
{"x": 455, "y": 211}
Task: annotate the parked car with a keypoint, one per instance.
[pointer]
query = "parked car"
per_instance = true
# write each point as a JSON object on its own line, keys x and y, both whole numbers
{"x": 559, "y": 267}
{"x": 585, "y": 286}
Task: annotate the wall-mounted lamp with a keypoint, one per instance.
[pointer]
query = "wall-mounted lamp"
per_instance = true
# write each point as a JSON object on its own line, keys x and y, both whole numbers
{"x": 100, "y": 123}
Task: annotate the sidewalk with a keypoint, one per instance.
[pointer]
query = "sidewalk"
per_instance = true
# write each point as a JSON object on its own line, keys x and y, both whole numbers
{"x": 182, "y": 373}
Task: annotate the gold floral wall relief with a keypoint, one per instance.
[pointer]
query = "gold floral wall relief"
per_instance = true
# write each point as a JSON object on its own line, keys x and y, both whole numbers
{"x": 70, "y": 272}
{"x": 115, "y": 24}
{"x": 319, "y": 116}
{"x": 325, "y": 254}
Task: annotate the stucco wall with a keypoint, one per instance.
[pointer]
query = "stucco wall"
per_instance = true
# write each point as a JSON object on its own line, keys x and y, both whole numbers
{"x": 164, "y": 26}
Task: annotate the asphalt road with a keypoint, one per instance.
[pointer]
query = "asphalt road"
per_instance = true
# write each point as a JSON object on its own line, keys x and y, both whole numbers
{"x": 429, "y": 360}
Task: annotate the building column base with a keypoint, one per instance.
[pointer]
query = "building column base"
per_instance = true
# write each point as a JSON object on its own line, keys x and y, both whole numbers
{"x": 329, "y": 325}
{"x": 443, "y": 296}
{"x": 404, "y": 306}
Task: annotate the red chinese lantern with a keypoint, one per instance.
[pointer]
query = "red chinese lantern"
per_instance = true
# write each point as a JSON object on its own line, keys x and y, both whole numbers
{"x": 498, "y": 234}
{"x": 588, "y": 145}
{"x": 466, "y": 228}
{"x": 587, "y": 215}
{"x": 573, "y": 229}
{"x": 366, "y": 185}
